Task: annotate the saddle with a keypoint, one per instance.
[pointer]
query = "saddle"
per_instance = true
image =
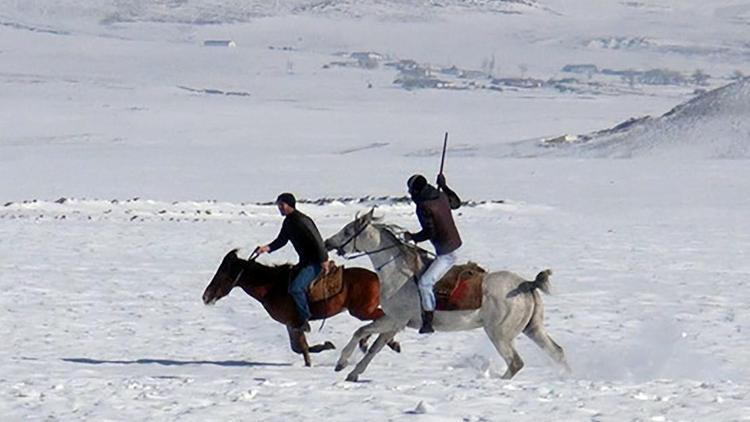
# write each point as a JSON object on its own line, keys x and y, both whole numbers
{"x": 460, "y": 288}
{"x": 328, "y": 286}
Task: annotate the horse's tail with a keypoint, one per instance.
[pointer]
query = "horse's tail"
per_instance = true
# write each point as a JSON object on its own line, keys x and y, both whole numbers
{"x": 542, "y": 281}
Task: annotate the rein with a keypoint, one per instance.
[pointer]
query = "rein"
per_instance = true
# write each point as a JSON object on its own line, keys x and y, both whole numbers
{"x": 253, "y": 257}
{"x": 354, "y": 237}
{"x": 368, "y": 253}
{"x": 398, "y": 243}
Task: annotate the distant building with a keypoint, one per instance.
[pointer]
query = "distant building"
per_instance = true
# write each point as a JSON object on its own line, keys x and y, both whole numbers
{"x": 581, "y": 68}
{"x": 662, "y": 77}
{"x": 519, "y": 82}
{"x": 367, "y": 60}
{"x": 219, "y": 43}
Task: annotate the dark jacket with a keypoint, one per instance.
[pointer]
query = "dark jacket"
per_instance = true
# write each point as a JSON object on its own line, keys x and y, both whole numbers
{"x": 434, "y": 214}
{"x": 305, "y": 237}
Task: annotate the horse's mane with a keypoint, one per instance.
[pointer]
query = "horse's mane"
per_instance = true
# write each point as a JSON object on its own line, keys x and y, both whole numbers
{"x": 414, "y": 253}
{"x": 262, "y": 270}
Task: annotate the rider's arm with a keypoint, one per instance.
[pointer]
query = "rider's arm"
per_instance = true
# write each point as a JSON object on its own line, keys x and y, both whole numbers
{"x": 428, "y": 228}
{"x": 453, "y": 199}
{"x": 280, "y": 240}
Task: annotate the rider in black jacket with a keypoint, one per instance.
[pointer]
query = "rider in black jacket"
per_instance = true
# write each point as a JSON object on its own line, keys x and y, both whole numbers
{"x": 299, "y": 229}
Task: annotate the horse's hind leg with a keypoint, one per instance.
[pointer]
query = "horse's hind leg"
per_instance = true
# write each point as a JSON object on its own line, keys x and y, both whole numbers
{"x": 322, "y": 347}
{"x": 505, "y": 347}
{"x": 298, "y": 342}
{"x": 377, "y": 346}
{"x": 537, "y": 333}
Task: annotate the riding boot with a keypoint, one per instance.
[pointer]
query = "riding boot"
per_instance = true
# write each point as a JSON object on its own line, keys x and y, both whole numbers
{"x": 427, "y": 322}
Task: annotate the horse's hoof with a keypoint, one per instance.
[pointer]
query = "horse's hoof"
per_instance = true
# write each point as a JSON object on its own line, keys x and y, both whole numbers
{"x": 329, "y": 346}
{"x": 339, "y": 367}
{"x": 395, "y": 346}
{"x": 352, "y": 377}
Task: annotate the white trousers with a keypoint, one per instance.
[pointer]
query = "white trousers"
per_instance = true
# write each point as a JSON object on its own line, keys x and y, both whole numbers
{"x": 439, "y": 267}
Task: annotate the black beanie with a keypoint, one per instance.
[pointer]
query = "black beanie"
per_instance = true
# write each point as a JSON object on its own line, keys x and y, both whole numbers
{"x": 287, "y": 198}
{"x": 416, "y": 183}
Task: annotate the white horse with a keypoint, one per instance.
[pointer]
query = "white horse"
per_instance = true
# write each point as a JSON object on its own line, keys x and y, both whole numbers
{"x": 510, "y": 304}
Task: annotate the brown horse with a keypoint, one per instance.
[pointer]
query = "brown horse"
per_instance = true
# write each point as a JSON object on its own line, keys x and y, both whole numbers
{"x": 360, "y": 296}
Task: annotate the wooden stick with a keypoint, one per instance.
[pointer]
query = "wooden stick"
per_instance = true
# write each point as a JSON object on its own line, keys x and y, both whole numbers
{"x": 442, "y": 160}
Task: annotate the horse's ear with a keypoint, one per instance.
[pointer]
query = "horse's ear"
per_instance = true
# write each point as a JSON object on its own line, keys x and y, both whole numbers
{"x": 369, "y": 215}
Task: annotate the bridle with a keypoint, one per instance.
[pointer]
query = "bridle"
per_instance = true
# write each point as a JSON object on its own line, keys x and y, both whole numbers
{"x": 253, "y": 257}
{"x": 353, "y": 240}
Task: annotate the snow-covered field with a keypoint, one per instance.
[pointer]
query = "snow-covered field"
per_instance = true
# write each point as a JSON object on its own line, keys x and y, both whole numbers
{"x": 161, "y": 150}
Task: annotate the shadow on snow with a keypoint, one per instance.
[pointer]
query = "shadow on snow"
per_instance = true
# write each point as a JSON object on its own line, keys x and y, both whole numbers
{"x": 169, "y": 362}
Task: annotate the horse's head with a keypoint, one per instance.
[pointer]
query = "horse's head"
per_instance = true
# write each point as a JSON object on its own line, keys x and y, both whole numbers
{"x": 357, "y": 236}
{"x": 225, "y": 278}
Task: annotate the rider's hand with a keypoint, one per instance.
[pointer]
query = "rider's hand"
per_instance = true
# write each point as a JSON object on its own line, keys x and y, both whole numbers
{"x": 326, "y": 267}
{"x": 441, "y": 180}
{"x": 408, "y": 237}
{"x": 262, "y": 249}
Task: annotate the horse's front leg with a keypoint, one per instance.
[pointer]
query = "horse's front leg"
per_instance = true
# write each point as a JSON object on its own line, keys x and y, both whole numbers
{"x": 381, "y": 325}
{"x": 393, "y": 344}
{"x": 298, "y": 341}
{"x": 377, "y": 346}
{"x": 363, "y": 343}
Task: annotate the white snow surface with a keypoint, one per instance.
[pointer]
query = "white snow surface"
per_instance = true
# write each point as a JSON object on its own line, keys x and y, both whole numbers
{"x": 132, "y": 158}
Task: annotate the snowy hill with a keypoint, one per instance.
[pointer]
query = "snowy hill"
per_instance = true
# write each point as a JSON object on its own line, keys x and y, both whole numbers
{"x": 712, "y": 125}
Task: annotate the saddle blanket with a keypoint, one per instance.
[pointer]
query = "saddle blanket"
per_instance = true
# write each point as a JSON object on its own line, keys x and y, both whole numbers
{"x": 460, "y": 289}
